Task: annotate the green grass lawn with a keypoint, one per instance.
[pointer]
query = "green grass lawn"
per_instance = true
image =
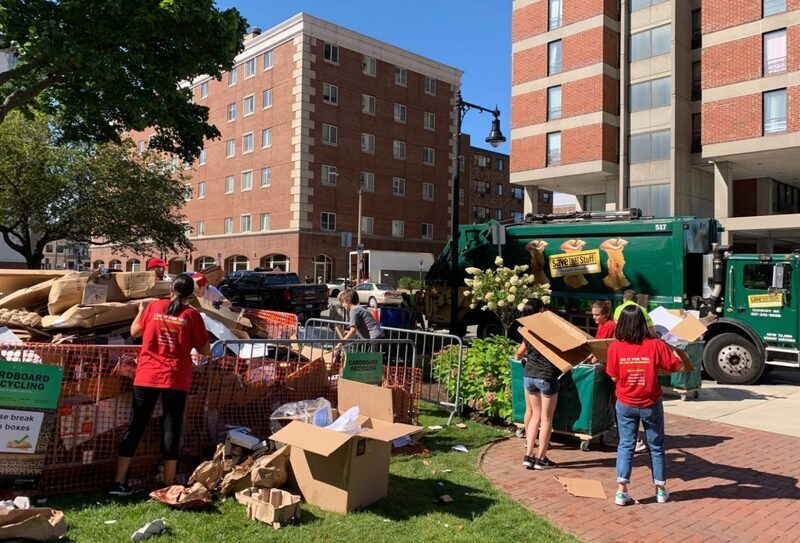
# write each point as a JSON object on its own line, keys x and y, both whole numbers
{"x": 479, "y": 513}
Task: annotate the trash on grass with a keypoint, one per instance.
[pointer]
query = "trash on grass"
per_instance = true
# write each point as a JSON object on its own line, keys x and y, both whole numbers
{"x": 181, "y": 497}
{"x": 154, "y": 527}
{"x": 461, "y": 426}
{"x": 436, "y": 427}
{"x": 274, "y": 507}
{"x": 347, "y": 422}
{"x": 445, "y": 499}
{"x": 22, "y": 502}
{"x": 35, "y": 524}
{"x": 460, "y": 448}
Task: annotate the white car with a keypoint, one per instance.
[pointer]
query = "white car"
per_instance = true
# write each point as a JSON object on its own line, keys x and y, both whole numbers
{"x": 376, "y": 294}
{"x": 336, "y": 286}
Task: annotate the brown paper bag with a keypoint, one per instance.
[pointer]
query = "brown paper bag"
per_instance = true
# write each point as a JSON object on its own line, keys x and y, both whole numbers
{"x": 180, "y": 497}
{"x": 238, "y": 479}
{"x": 38, "y": 524}
{"x": 211, "y": 472}
{"x": 271, "y": 471}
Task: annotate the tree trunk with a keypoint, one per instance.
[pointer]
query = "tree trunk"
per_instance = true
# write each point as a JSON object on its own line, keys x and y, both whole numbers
{"x": 34, "y": 261}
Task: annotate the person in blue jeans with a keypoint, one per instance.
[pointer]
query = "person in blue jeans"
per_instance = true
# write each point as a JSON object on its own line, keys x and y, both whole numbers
{"x": 541, "y": 395}
{"x": 633, "y": 361}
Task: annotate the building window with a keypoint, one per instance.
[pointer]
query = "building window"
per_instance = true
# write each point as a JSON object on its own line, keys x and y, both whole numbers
{"x": 248, "y": 105}
{"x": 427, "y": 191}
{"x": 399, "y": 149}
{"x": 229, "y": 184}
{"x": 516, "y": 216}
{"x": 202, "y": 158}
{"x": 368, "y": 181}
{"x": 554, "y": 103}
{"x": 330, "y": 94}
{"x": 331, "y": 53}
{"x": 775, "y": 52}
{"x": 775, "y": 111}
{"x": 398, "y": 229}
{"x": 115, "y": 264}
{"x": 697, "y": 29}
{"x": 428, "y": 156}
{"x": 481, "y": 212}
{"x": 554, "y": 65}
{"x": 187, "y": 192}
{"x": 461, "y": 197}
{"x": 367, "y": 143}
{"x": 650, "y": 94}
{"x": 400, "y": 76}
{"x": 650, "y": 43}
{"x": 233, "y": 75}
{"x": 140, "y": 146}
{"x": 231, "y": 112}
{"x": 367, "y": 104}
{"x": 201, "y": 190}
{"x": 236, "y": 263}
{"x": 266, "y": 177}
{"x": 653, "y": 200}
{"x": 553, "y": 148}
{"x": 247, "y": 143}
{"x": 429, "y": 120}
{"x": 697, "y": 81}
{"x": 200, "y": 230}
{"x": 430, "y": 85}
{"x": 400, "y": 113}
{"x": 367, "y": 225}
{"x": 771, "y": 7}
{"x": 266, "y": 99}
{"x": 204, "y": 89}
{"x": 244, "y": 223}
{"x": 369, "y": 66}
{"x": 330, "y": 134}
{"x": 482, "y": 187}
{"x": 483, "y": 161}
{"x": 398, "y": 186}
{"x": 649, "y": 147}
{"x": 697, "y": 144}
{"x": 636, "y": 5}
{"x": 499, "y": 189}
{"x": 555, "y": 15}
{"x": 427, "y": 231}
{"x": 327, "y": 221}
{"x": 264, "y": 222}
{"x": 498, "y": 214}
{"x": 228, "y": 225}
{"x": 266, "y": 138}
{"x": 250, "y": 68}
{"x": 269, "y": 57}
{"x": 328, "y": 175}
{"x": 499, "y": 162}
{"x": 545, "y": 197}
{"x": 247, "y": 180}
{"x": 230, "y": 148}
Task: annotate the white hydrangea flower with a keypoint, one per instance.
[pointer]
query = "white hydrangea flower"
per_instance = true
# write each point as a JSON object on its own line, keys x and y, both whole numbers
{"x": 510, "y": 297}
{"x": 498, "y": 261}
{"x": 546, "y": 300}
{"x": 492, "y": 305}
{"x": 513, "y": 290}
{"x": 467, "y": 293}
{"x": 514, "y": 280}
{"x": 472, "y": 271}
{"x": 521, "y": 306}
{"x": 501, "y": 303}
{"x": 489, "y": 295}
{"x": 497, "y": 279}
{"x": 472, "y": 306}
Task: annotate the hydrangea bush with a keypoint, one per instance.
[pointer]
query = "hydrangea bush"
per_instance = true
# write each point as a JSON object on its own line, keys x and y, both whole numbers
{"x": 504, "y": 291}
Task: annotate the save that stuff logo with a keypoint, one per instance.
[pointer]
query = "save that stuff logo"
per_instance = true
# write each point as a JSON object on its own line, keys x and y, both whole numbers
{"x": 576, "y": 262}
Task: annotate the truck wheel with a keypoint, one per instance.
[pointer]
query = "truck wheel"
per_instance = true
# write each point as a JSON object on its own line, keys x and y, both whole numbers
{"x": 373, "y": 302}
{"x": 732, "y": 360}
{"x": 490, "y": 327}
{"x": 334, "y": 293}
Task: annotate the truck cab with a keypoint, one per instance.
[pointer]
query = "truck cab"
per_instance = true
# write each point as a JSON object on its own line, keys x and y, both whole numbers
{"x": 758, "y": 324}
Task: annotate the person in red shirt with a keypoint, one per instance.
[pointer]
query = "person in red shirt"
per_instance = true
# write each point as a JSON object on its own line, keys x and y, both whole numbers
{"x": 601, "y": 313}
{"x": 170, "y": 329}
{"x": 633, "y": 361}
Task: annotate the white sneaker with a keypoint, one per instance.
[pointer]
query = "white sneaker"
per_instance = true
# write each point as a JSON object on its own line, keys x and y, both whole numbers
{"x": 623, "y": 498}
{"x": 662, "y": 495}
{"x": 641, "y": 446}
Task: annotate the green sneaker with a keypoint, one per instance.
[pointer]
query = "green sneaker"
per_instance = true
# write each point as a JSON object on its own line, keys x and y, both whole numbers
{"x": 623, "y": 498}
{"x": 662, "y": 495}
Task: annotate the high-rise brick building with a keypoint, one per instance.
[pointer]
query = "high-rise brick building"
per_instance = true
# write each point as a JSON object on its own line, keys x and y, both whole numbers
{"x": 311, "y": 112}
{"x": 678, "y": 107}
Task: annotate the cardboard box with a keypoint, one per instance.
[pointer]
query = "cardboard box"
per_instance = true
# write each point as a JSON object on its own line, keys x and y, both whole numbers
{"x": 93, "y": 316}
{"x": 231, "y": 319}
{"x": 28, "y": 297}
{"x": 67, "y": 291}
{"x": 275, "y": 507}
{"x": 12, "y": 280}
{"x": 136, "y": 285}
{"x": 340, "y": 472}
{"x": 559, "y": 341}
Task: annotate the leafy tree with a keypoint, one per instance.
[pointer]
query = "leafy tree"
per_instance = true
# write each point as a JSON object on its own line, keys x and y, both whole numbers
{"x": 84, "y": 192}
{"x": 108, "y": 66}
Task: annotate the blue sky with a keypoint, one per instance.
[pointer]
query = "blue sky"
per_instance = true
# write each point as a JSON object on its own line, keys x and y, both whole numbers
{"x": 472, "y": 35}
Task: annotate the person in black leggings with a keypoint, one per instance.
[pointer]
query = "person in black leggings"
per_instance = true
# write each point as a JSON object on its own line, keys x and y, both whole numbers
{"x": 170, "y": 329}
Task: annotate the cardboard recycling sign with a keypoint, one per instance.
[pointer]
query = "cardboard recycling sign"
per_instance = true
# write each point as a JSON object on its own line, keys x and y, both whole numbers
{"x": 19, "y": 431}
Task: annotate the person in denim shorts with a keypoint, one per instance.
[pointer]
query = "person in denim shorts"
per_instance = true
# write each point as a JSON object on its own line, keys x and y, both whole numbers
{"x": 541, "y": 394}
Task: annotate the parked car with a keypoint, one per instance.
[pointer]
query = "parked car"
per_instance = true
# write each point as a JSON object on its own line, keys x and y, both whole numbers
{"x": 275, "y": 290}
{"x": 376, "y": 294}
{"x": 337, "y": 285}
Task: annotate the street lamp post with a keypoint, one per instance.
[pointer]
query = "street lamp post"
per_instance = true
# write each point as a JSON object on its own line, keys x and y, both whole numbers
{"x": 359, "y": 190}
{"x": 495, "y": 138}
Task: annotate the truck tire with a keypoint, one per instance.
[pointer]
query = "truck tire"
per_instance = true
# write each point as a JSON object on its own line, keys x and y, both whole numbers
{"x": 732, "y": 360}
{"x": 334, "y": 293}
{"x": 490, "y": 327}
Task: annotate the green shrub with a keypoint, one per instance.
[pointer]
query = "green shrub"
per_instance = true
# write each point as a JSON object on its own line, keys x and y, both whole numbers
{"x": 485, "y": 376}
{"x": 410, "y": 283}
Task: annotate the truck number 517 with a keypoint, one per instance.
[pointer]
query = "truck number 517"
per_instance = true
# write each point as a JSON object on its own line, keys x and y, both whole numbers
{"x": 661, "y": 227}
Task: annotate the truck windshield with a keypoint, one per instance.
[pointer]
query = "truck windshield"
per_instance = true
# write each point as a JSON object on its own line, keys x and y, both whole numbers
{"x": 281, "y": 279}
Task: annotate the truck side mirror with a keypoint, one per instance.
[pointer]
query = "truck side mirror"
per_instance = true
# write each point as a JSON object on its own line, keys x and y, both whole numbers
{"x": 777, "y": 278}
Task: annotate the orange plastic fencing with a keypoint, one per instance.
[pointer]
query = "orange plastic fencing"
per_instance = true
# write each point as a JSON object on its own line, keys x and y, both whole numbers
{"x": 273, "y": 324}
{"x": 78, "y": 444}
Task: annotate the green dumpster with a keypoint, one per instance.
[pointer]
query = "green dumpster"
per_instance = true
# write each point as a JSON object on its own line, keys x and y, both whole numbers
{"x": 584, "y": 400}
{"x": 687, "y": 382}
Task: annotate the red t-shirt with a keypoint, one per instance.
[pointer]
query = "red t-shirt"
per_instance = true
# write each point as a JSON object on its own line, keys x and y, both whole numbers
{"x": 606, "y": 330}
{"x": 165, "y": 360}
{"x": 635, "y": 367}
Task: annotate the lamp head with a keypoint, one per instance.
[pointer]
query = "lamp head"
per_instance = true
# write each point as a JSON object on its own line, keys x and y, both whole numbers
{"x": 495, "y": 137}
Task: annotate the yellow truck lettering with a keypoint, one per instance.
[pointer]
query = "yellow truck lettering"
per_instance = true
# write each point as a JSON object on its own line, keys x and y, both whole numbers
{"x": 759, "y": 301}
{"x": 577, "y": 263}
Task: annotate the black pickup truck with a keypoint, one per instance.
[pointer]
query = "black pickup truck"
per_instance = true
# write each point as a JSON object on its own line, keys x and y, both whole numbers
{"x": 275, "y": 290}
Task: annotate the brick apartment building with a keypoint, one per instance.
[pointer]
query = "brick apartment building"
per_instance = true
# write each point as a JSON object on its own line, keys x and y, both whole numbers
{"x": 487, "y": 192}
{"x": 677, "y": 107}
{"x": 311, "y": 112}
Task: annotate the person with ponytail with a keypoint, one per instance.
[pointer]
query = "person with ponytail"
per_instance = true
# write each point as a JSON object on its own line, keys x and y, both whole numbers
{"x": 169, "y": 329}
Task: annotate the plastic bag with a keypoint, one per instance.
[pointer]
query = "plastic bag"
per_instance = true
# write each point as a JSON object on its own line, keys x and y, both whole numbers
{"x": 347, "y": 423}
{"x": 316, "y": 412}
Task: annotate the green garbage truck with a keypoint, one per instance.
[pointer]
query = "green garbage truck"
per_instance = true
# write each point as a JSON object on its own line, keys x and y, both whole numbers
{"x": 676, "y": 261}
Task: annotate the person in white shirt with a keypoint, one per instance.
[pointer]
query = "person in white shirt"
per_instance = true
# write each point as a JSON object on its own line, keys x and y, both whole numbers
{"x": 209, "y": 292}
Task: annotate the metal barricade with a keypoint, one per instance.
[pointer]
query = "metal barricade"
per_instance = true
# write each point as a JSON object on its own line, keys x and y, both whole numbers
{"x": 439, "y": 357}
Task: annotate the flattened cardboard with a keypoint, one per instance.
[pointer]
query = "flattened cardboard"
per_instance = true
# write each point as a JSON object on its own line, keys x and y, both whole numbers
{"x": 94, "y": 294}
{"x": 564, "y": 361}
{"x": 689, "y": 329}
{"x": 67, "y": 291}
{"x": 229, "y": 318}
{"x": 27, "y": 297}
{"x": 137, "y": 285}
{"x": 311, "y": 438}
{"x": 583, "y": 488}
{"x": 12, "y": 280}
{"x": 93, "y": 316}
{"x": 555, "y": 330}
{"x": 114, "y": 293}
